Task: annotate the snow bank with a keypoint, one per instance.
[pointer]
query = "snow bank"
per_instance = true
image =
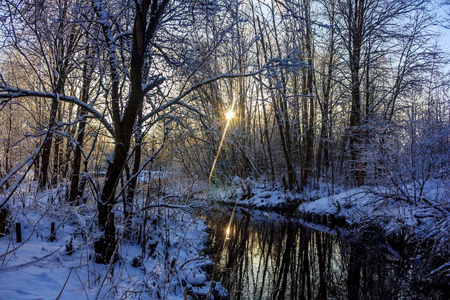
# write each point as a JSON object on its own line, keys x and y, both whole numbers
{"x": 423, "y": 219}
{"x": 248, "y": 193}
{"x": 382, "y": 206}
{"x": 168, "y": 264}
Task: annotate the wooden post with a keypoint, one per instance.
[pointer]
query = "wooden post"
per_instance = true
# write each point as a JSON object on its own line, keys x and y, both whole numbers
{"x": 52, "y": 232}
{"x": 18, "y": 233}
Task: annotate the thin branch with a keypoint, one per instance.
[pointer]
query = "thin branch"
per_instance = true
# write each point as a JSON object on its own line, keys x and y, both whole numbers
{"x": 8, "y": 92}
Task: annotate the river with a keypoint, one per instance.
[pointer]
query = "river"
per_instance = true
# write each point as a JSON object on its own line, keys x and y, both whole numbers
{"x": 270, "y": 256}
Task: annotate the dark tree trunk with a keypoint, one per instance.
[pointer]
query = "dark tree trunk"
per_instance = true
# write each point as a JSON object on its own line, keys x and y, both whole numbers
{"x": 324, "y": 145}
{"x": 63, "y": 56}
{"x": 47, "y": 147}
{"x": 124, "y": 125}
{"x": 66, "y": 155}
{"x": 282, "y": 119}
{"x": 266, "y": 121}
{"x": 308, "y": 90}
{"x": 356, "y": 38}
{"x": 57, "y": 154}
{"x": 75, "y": 190}
{"x": 132, "y": 184}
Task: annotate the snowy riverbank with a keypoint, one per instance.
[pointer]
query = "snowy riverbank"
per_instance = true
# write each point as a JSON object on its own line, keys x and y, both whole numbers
{"x": 418, "y": 215}
{"x": 164, "y": 260}
{"x": 422, "y": 220}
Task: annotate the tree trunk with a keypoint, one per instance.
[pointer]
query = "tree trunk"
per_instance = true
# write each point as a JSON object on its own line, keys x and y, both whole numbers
{"x": 131, "y": 188}
{"x": 308, "y": 90}
{"x": 124, "y": 125}
{"x": 47, "y": 147}
{"x": 75, "y": 190}
{"x": 322, "y": 152}
{"x": 57, "y": 154}
{"x": 266, "y": 121}
{"x": 358, "y": 170}
{"x": 282, "y": 119}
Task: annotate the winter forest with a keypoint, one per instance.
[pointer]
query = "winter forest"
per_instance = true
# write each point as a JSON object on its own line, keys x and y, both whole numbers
{"x": 224, "y": 149}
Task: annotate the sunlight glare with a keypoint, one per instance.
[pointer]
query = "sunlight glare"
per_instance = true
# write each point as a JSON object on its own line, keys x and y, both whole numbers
{"x": 229, "y": 115}
{"x": 227, "y": 236}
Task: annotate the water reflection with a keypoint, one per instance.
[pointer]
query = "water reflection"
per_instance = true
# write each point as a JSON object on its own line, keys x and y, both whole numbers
{"x": 258, "y": 258}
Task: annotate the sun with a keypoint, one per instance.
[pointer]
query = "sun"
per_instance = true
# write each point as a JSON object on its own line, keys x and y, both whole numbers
{"x": 229, "y": 115}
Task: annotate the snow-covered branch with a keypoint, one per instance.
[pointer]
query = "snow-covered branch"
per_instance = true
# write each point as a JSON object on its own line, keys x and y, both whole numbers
{"x": 8, "y": 92}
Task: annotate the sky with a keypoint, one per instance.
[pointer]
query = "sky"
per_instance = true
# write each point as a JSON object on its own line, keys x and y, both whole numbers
{"x": 443, "y": 12}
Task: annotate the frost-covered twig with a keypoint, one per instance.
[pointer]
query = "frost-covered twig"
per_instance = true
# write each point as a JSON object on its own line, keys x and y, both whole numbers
{"x": 445, "y": 267}
{"x": 166, "y": 205}
{"x": 64, "y": 286}
{"x": 28, "y": 264}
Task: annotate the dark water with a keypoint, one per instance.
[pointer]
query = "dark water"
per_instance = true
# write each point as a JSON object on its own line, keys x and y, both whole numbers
{"x": 274, "y": 257}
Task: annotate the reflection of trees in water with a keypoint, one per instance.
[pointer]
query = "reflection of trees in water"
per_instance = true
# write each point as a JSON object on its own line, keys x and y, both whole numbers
{"x": 262, "y": 260}
{"x": 284, "y": 260}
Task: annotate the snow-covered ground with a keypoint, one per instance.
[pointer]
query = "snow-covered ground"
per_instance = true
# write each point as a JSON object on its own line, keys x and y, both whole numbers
{"x": 247, "y": 193}
{"x": 169, "y": 265}
{"x": 388, "y": 210}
